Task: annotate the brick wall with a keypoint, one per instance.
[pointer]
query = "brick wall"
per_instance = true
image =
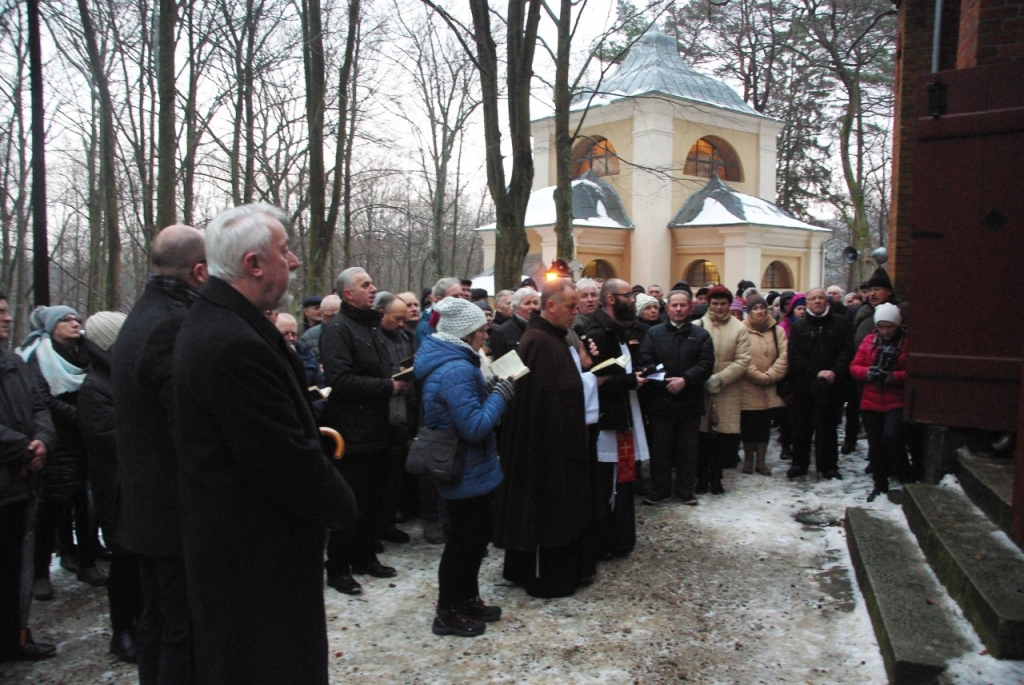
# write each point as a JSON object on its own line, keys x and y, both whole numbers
{"x": 990, "y": 31}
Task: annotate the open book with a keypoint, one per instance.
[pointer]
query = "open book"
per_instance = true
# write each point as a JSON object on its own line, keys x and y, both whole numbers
{"x": 403, "y": 375}
{"x": 612, "y": 365}
{"x": 509, "y": 366}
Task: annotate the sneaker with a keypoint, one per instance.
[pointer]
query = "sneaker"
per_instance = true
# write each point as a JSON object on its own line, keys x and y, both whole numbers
{"x": 452, "y": 622}
{"x": 651, "y": 500}
{"x": 478, "y": 611}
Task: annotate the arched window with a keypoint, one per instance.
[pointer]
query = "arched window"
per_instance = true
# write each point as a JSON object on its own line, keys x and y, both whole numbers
{"x": 777, "y": 277}
{"x": 595, "y": 154}
{"x": 702, "y": 272}
{"x": 712, "y": 155}
{"x": 598, "y": 268}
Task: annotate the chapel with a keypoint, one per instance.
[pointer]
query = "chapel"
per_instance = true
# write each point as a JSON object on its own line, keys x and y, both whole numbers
{"x": 674, "y": 179}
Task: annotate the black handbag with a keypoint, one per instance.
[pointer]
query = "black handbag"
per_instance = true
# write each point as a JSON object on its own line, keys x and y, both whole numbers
{"x": 437, "y": 454}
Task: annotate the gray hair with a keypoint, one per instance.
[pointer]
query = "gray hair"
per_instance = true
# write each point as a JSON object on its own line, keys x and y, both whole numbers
{"x": 441, "y": 287}
{"x": 521, "y": 294}
{"x": 587, "y": 283}
{"x": 501, "y": 294}
{"x": 689, "y": 297}
{"x": 347, "y": 278}
{"x": 235, "y": 232}
{"x": 383, "y": 300}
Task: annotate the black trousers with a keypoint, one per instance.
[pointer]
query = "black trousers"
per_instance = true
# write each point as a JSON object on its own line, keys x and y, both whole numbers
{"x": 50, "y": 515}
{"x": 470, "y": 523}
{"x": 367, "y": 474}
{"x": 815, "y": 414}
{"x": 756, "y": 426}
{"x": 887, "y": 451}
{"x": 163, "y": 635}
{"x": 673, "y": 445}
{"x": 12, "y": 535}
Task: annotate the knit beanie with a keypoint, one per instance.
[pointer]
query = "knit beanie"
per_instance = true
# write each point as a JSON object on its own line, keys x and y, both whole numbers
{"x": 459, "y": 317}
{"x": 51, "y": 316}
{"x": 799, "y": 300}
{"x": 888, "y": 312}
{"x": 484, "y": 305}
{"x": 102, "y": 328}
{"x": 880, "y": 279}
{"x": 754, "y": 300}
{"x": 737, "y": 305}
{"x": 719, "y": 292}
{"x": 642, "y": 301}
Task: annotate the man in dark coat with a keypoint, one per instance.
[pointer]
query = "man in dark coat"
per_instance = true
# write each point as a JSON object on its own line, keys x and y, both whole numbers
{"x": 820, "y": 352}
{"x": 257, "y": 492}
{"x": 675, "y": 403}
{"x": 26, "y": 435}
{"x": 148, "y": 513}
{"x": 549, "y": 499}
{"x": 506, "y": 337}
{"x": 358, "y": 369}
{"x": 620, "y": 416}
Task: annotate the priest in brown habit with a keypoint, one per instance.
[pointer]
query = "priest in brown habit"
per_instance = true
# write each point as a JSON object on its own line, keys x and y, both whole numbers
{"x": 550, "y": 497}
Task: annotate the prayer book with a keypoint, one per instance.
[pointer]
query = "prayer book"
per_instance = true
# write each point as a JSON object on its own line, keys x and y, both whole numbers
{"x": 509, "y": 366}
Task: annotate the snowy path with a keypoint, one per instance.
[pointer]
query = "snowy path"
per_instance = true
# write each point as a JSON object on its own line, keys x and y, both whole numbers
{"x": 735, "y": 590}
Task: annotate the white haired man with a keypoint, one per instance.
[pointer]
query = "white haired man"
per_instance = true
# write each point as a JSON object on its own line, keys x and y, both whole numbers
{"x": 506, "y": 337}
{"x": 257, "y": 492}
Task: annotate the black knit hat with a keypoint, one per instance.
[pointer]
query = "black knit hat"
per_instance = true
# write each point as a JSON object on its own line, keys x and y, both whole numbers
{"x": 880, "y": 279}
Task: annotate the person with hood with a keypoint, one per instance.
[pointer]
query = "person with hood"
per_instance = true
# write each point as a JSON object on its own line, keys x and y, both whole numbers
{"x": 720, "y": 426}
{"x": 794, "y": 310}
{"x": 56, "y": 352}
{"x": 96, "y": 420}
{"x": 881, "y": 365}
{"x": 456, "y": 396}
{"x": 769, "y": 361}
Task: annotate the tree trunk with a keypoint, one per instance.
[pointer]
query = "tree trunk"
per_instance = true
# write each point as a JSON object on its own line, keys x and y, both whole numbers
{"x": 166, "y": 200}
{"x": 313, "y": 64}
{"x": 563, "y": 139}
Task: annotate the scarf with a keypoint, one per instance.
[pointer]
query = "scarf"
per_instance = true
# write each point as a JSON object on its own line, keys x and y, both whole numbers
{"x": 448, "y": 337}
{"x": 762, "y": 327}
{"x": 887, "y": 352}
{"x": 61, "y": 375}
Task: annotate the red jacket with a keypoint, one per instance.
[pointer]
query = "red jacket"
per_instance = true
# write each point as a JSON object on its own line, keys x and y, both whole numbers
{"x": 876, "y": 397}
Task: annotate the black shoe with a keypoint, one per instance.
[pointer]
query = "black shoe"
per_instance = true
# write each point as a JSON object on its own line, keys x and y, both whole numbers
{"x": 476, "y": 610}
{"x": 122, "y": 644}
{"x": 375, "y": 569}
{"x": 378, "y": 547}
{"x": 30, "y": 651}
{"x": 716, "y": 488}
{"x": 452, "y": 622}
{"x": 831, "y": 474}
{"x": 876, "y": 492}
{"x": 687, "y": 499}
{"x": 69, "y": 562}
{"x": 393, "y": 534}
{"x": 93, "y": 576}
{"x": 848, "y": 446}
{"x": 702, "y": 488}
{"x": 651, "y": 500}
{"x": 796, "y": 472}
{"x": 344, "y": 583}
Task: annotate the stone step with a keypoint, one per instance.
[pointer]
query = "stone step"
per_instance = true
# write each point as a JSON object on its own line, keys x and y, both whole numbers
{"x": 917, "y": 637}
{"x": 989, "y": 484}
{"x": 979, "y": 565}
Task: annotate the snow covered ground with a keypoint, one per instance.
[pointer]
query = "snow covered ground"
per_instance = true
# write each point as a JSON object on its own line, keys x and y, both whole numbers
{"x": 735, "y": 590}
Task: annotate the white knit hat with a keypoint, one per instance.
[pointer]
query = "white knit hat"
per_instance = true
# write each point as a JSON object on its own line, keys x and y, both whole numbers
{"x": 642, "y": 301}
{"x": 888, "y": 312}
{"x": 102, "y": 328}
{"x": 459, "y": 317}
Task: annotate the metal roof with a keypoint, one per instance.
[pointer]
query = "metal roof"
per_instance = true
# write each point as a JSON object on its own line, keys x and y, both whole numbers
{"x": 653, "y": 65}
{"x": 716, "y": 204}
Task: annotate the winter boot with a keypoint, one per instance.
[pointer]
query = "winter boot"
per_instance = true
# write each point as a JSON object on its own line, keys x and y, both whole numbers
{"x": 762, "y": 450}
{"x": 716, "y": 482}
{"x": 748, "y": 457}
{"x": 452, "y": 622}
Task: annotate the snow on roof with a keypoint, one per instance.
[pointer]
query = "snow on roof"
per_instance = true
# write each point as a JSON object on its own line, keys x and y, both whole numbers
{"x": 653, "y": 65}
{"x": 716, "y": 204}
{"x": 595, "y": 204}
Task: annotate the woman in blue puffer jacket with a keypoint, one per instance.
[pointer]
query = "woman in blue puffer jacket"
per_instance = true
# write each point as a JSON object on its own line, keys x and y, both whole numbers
{"x": 455, "y": 395}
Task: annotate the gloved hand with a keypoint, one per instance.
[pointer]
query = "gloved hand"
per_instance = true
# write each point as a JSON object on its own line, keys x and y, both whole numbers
{"x": 505, "y": 387}
{"x": 713, "y": 384}
{"x": 886, "y": 378}
{"x": 873, "y": 374}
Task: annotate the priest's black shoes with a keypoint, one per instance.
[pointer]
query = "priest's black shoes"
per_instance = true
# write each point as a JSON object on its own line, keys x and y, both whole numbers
{"x": 375, "y": 569}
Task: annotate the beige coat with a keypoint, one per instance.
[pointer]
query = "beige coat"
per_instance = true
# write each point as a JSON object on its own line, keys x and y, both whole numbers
{"x": 732, "y": 357}
{"x": 768, "y": 365}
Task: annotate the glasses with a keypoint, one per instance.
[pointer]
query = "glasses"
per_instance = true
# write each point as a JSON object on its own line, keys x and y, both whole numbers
{"x": 71, "y": 318}
{"x": 290, "y": 334}
{"x": 628, "y": 296}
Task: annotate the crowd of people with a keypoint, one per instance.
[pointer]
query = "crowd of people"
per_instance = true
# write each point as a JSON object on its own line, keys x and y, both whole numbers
{"x": 189, "y": 432}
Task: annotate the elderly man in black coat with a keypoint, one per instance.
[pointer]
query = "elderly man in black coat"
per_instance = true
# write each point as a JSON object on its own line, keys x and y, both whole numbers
{"x": 148, "y": 513}
{"x": 820, "y": 352}
{"x": 358, "y": 369}
{"x": 549, "y": 500}
{"x": 257, "y": 491}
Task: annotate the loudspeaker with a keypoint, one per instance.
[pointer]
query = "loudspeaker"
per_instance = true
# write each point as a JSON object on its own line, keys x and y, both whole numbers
{"x": 851, "y": 254}
{"x": 880, "y": 255}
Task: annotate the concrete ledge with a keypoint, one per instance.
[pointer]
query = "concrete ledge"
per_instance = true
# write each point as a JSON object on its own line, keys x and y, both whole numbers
{"x": 989, "y": 484}
{"x": 979, "y": 565}
{"x": 916, "y": 637}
